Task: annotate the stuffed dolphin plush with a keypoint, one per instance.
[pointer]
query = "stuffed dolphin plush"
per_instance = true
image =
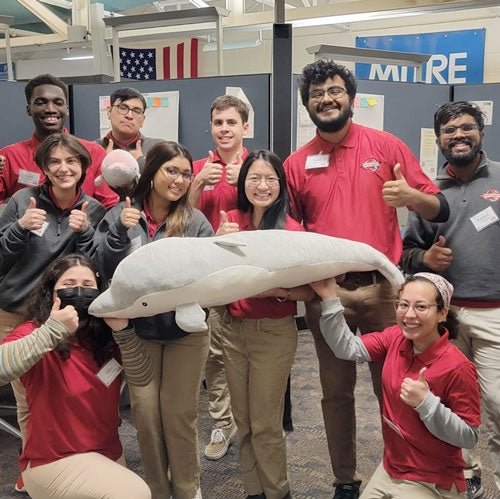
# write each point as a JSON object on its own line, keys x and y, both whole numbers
{"x": 119, "y": 169}
{"x": 185, "y": 274}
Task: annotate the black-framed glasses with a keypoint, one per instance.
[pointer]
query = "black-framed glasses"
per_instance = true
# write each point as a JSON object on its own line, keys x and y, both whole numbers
{"x": 123, "y": 109}
{"x": 466, "y": 128}
{"x": 174, "y": 173}
{"x": 319, "y": 93}
{"x": 422, "y": 309}
{"x": 255, "y": 180}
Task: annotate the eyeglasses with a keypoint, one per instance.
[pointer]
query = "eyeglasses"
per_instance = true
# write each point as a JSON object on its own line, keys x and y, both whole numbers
{"x": 421, "y": 309}
{"x": 449, "y": 131}
{"x": 319, "y": 93}
{"x": 270, "y": 180}
{"x": 123, "y": 109}
{"x": 174, "y": 173}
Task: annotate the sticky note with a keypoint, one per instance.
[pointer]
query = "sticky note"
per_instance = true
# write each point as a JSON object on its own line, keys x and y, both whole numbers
{"x": 156, "y": 101}
{"x": 164, "y": 102}
{"x": 372, "y": 101}
{"x": 364, "y": 102}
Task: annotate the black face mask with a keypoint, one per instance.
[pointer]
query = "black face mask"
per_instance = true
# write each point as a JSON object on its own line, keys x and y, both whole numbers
{"x": 79, "y": 297}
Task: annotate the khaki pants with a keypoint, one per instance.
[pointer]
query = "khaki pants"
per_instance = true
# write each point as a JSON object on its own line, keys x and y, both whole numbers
{"x": 258, "y": 356}
{"x": 479, "y": 339}
{"x": 84, "y": 476}
{"x": 219, "y": 401}
{"x": 369, "y": 308}
{"x": 8, "y": 322}
{"x": 382, "y": 486}
{"x": 165, "y": 413}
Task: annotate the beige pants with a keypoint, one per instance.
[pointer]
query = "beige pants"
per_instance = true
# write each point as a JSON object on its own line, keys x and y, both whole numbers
{"x": 382, "y": 486}
{"x": 165, "y": 413}
{"x": 258, "y": 356}
{"x": 8, "y": 322}
{"x": 84, "y": 476}
{"x": 219, "y": 401}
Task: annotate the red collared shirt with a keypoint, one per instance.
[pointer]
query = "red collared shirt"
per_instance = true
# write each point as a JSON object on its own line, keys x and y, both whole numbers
{"x": 411, "y": 451}
{"x": 345, "y": 199}
{"x": 220, "y": 196}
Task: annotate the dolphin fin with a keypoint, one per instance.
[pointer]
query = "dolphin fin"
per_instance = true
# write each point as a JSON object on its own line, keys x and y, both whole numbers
{"x": 229, "y": 243}
{"x": 190, "y": 317}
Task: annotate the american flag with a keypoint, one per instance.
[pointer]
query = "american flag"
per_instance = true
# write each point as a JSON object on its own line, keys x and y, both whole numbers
{"x": 138, "y": 64}
{"x": 177, "y": 61}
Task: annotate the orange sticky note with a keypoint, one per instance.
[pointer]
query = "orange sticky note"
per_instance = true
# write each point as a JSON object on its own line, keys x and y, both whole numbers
{"x": 157, "y": 102}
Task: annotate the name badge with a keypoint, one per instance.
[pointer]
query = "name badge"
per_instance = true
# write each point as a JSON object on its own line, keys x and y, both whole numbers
{"x": 29, "y": 178}
{"x": 109, "y": 372}
{"x": 484, "y": 218}
{"x": 39, "y": 232}
{"x": 209, "y": 188}
{"x": 317, "y": 161}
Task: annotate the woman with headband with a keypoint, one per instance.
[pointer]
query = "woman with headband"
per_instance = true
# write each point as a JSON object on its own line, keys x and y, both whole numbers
{"x": 431, "y": 405}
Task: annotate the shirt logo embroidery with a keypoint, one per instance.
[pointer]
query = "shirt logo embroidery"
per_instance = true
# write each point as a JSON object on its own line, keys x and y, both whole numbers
{"x": 370, "y": 165}
{"x": 491, "y": 195}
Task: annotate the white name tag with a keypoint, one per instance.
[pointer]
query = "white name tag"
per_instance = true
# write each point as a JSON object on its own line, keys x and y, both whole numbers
{"x": 109, "y": 372}
{"x": 484, "y": 218}
{"x": 39, "y": 232}
{"x": 29, "y": 178}
{"x": 209, "y": 188}
{"x": 317, "y": 161}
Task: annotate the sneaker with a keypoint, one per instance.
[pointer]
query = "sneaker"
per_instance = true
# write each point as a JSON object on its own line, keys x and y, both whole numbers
{"x": 19, "y": 486}
{"x": 347, "y": 491}
{"x": 474, "y": 487}
{"x": 220, "y": 440}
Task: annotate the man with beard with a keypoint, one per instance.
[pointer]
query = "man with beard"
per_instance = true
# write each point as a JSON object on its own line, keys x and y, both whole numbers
{"x": 347, "y": 182}
{"x": 465, "y": 250}
{"x": 47, "y": 104}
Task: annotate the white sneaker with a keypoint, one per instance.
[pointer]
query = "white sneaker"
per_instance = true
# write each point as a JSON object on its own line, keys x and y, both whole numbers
{"x": 220, "y": 440}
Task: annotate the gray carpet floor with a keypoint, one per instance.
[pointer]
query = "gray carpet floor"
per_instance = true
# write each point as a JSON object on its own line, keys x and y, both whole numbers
{"x": 308, "y": 461}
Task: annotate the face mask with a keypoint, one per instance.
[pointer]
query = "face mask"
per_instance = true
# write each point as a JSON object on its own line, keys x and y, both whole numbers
{"x": 79, "y": 297}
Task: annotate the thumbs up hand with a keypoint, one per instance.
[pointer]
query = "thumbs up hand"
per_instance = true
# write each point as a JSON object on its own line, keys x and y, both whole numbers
{"x": 233, "y": 170}
{"x": 137, "y": 151}
{"x": 438, "y": 257}
{"x": 129, "y": 216}
{"x": 68, "y": 315}
{"x": 226, "y": 227}
{"x": 211, "y": 173}
{"x": 78, "y": 220}
{"x": 413, "y": 392}
{"x": 33, "y": 217}
{"x": 398, "y": 193}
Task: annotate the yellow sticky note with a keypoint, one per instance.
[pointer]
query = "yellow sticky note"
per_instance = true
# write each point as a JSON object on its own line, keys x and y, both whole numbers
{"x": 372, "y": 101}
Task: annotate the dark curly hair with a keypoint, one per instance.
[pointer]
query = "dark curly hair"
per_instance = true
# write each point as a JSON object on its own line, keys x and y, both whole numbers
{"x": 452, "y": 110}
{"x": 319, "y": 71}
{"x": 92, "y": 333}
{"x": 44, "y": 79}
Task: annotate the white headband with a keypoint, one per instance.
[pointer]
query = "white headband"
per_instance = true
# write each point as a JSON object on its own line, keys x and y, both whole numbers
{"x": 444, "y": 287}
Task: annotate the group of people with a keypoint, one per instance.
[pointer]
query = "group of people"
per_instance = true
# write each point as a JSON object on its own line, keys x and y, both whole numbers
{"x": 61, "y": 239}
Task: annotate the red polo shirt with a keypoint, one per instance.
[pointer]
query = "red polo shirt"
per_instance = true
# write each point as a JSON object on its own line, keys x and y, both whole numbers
{"x": 220, "y": 196}
{"x": 261, "y": 308}
{"x": 71, "y": 410}
{"x": 19, "y": 157}
{"x": 411, "y": 451}
{"x": 345, "y": 199}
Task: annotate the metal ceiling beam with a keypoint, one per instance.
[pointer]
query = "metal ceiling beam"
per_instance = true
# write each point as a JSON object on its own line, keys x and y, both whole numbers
{"x": 54, "y": 22}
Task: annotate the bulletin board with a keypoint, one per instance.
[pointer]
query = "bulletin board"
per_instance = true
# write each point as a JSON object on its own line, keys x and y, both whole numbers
{"x": 161, "y": 117}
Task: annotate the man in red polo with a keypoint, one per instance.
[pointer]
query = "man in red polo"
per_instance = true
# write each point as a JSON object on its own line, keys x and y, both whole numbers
{"x": 47, "y": 104}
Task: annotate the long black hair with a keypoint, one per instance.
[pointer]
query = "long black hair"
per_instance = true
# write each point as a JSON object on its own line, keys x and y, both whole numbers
{"x": 92, "y": 333}
{"x": 275, "y": 216}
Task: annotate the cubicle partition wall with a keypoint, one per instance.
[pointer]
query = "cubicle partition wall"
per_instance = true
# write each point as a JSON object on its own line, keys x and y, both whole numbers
{"x": 16, "y": 125}
{"x": 195, "y": 97}
{"x": 485, "y": 93}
